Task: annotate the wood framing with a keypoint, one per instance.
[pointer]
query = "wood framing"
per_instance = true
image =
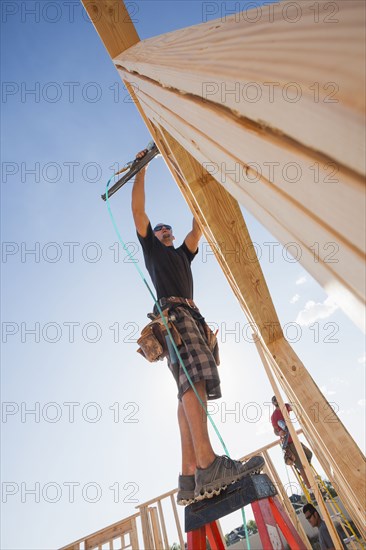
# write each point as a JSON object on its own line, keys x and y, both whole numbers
{"x": 217, "y": 141}
{"x": 185, "y": 85}
{"x": 296, "y": 165}
{"x": 118, "y": 530}
{"x": 113, "y": 24}
{"x": 248, "y": 66}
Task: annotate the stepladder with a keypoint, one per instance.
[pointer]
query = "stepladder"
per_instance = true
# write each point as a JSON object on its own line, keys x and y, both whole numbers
{"x": 271, "y": 518}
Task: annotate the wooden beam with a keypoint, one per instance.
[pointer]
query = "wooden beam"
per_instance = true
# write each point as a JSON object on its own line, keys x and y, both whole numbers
{"x": 177, "y": 522}
{"x": 163, "y": 526}
{"x": 304, "y": 78}
{"x": 158, "y": 541}
{"x": 261, "y": 450}
{"x": 311, "y": 220}
{"x": 133, "y": 535}
{"x": 250, "y": 157}
{"x": 113, "y": 24}
{"x": 146, "y": 527}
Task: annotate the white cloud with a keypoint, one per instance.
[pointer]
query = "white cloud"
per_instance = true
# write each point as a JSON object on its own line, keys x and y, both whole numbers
{"x": 362, "y": 403}
{"x": 316, "y": 310}
{"x": 295, "y": 299}
{"x": 362, "y": 359}
{"x": 301, "y": 281}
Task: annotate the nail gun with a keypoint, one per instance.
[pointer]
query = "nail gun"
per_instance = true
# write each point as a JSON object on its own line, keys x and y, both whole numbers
{"x": 133, "y": 167}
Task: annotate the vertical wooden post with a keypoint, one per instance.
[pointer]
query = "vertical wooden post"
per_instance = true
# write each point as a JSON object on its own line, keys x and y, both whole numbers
{"x": 158, "y": 542}
{"x": 133, "y": 535}
{"x": 146, "y": 529}
{"x": 177, "y": 522}
{"x": 162, "y": 522}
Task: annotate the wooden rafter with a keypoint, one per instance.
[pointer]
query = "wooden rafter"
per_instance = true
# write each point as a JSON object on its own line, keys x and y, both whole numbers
{"x": 218, "y": 60}
{"x": 312, "y": 221}
{"x": 298, "y": 165}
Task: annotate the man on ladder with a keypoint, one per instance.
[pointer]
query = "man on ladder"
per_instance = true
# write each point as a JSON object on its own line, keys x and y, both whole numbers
{"x": 290, "y": 454}
{"x": 204, "y": 474}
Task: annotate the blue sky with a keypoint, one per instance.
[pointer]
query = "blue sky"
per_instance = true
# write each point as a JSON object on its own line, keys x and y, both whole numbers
{"x": 72, "y": 309}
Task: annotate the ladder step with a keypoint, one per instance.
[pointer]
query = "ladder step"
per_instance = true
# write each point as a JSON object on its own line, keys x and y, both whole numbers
{"x": 249, "y": 489}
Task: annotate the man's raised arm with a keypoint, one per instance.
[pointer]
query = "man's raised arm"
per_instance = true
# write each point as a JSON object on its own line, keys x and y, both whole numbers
{"x": 193, "y": 237}
{"x": 138, "y": 201}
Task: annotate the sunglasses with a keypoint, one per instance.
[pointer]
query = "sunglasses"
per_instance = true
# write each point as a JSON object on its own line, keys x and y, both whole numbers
{"x": 309, "y": 516}
{"x": 160, "y": 227}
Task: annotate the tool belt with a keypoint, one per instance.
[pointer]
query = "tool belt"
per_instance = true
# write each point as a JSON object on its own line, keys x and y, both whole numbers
{"x": 153, "y": 340}
{"x": 289, "y": 457}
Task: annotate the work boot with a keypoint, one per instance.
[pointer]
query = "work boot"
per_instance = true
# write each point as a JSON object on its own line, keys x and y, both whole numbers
{"x": 186, "y": 485}
{"x": 222, "y": 472}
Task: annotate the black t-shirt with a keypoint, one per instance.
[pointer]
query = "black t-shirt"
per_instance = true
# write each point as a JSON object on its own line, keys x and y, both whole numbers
{"x": 169, "y": 267}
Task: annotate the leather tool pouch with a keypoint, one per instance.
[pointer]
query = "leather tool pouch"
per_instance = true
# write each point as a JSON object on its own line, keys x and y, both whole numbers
{"x": 212, "y": 343}
{"x": 153, "y": 343}
{"x": 289, "y": 457}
